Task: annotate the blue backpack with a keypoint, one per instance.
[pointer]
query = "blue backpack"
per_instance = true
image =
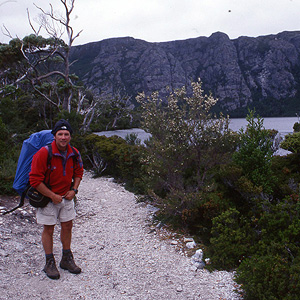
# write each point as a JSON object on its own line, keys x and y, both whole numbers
{"x": 30, "y": 146}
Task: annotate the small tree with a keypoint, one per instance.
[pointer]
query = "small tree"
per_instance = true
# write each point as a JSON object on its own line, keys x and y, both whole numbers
{"x": 187, "y": 141}
{"x": 255, "y": 152}
{"x": 187, "y": 147}
{"x": 55, "y": 25}
{"x": 41, "y": 66}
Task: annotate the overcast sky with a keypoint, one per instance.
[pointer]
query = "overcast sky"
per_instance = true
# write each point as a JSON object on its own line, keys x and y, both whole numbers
{"x": 159, "y": 20}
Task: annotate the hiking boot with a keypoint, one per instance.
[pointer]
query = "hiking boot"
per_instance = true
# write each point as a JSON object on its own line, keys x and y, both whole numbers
{"x": 67, "y": 263}
{"x": 50, "y": 269}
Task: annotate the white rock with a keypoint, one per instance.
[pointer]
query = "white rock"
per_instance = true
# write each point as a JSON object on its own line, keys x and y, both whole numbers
{"x": 186, "y": 240}
{"x": 191, "y": 245}
{"x": 207, "y": 261}
{"x": 198, "y": 255}
{"x": 179, "y": 289}
{"x": 199, "y": 265}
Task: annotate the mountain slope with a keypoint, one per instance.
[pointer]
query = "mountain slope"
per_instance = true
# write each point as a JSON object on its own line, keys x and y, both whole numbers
{"x": 262, "y": 72}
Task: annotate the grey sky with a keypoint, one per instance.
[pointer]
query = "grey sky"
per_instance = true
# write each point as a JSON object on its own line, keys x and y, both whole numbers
{"x": 160, "y": 20}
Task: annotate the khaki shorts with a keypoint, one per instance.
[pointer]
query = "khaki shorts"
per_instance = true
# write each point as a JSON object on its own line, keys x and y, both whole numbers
{"x": 62, "y": 212}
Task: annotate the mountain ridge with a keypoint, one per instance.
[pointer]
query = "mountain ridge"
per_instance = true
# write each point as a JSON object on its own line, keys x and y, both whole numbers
{"x": 262, "y": 72}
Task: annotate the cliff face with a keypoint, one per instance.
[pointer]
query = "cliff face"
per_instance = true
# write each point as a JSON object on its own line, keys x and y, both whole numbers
{"x": 238, "y": 72}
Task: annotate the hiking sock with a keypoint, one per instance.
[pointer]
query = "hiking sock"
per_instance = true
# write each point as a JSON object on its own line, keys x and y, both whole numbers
{"x": 66, "y": 252}
{"x": 48, "y": 256}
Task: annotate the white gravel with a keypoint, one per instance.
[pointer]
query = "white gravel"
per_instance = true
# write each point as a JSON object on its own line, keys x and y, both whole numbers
{"x": 121, "y": 255}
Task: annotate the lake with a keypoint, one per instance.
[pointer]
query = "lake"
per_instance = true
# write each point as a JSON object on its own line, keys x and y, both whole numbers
{"x": 283, "y": 125}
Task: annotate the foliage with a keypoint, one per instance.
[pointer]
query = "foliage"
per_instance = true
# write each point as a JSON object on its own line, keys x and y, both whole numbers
{"x": 112, "y": 156}
{"x": 8, "y": 160}
{"x": 3, "y": 139}
{"x": 40, "y": 67}
{"x": 192, "y": 211}
{"x": 291, "y": 142}
{"x": 272, "y": 271}
{"x": 296, "y": 127}
{"x": 187, "y": 148}
{"x": 269, "y": 277}
{"x": 259, "y": 234}
{"x": 231, "y": 239}
{"x": 255, "y": 152}
{"x": 287, "y": 173}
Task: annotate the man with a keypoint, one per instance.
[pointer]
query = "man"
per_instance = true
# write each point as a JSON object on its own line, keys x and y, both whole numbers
{"x": 60, "y": 183}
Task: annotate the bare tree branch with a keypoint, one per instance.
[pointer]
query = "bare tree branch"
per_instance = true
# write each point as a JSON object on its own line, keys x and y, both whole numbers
{"x": 44, "y": 96}
{"x": 37, "y": 32}
{"x": 7, "y": 33}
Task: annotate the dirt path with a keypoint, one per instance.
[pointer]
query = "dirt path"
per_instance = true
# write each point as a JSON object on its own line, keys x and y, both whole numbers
{"x": 121, "y": 254}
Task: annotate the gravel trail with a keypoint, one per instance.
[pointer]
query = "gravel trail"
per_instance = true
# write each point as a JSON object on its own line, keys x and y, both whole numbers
{"x": 120, "y": 253}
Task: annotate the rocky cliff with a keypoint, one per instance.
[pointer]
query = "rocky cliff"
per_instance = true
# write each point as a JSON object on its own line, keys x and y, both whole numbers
{"x": 262, "y": 71}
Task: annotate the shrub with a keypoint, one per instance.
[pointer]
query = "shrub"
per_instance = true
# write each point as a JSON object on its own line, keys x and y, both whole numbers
{"x": 272, "y": 271}
{"x": 8, "y": 160}
{"x": 287, "y": 172}
{"x": 291, "y": 142}
{"x": 231, "y": 240}
{"x": 112, "y": 156}
{"x": 296, "y": 127}
{"x": 192, "y": 211}
{"x": 255, "y": 153}
{"x": 269, "y": 277}
{"x": 7, "y": 174}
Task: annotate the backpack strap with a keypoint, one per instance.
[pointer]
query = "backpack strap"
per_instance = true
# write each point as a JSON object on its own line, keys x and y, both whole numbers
{"x": 20, "y": 204}
{"x": 22, "y": 199}
{"x": 50, "y": 154}
{"x": 49, "y": 158}
{"x": 75, "y": 152}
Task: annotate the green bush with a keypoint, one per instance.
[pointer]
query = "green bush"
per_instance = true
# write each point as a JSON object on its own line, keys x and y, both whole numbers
{"x": 296, "y": 127}
{"x": 113, "y": 156}
{"x": 291, "y": 142}
{"x": 8, "y": 160}
{"x": 7, "y": 175}
{"x": 255, "y": 152}
{"x": 269, "y": 277}
{"x": 287, "y": 172}
{"x": 231, "y": 240}
{"x": 272, "y": 271}
{"x": 192, "y": 211}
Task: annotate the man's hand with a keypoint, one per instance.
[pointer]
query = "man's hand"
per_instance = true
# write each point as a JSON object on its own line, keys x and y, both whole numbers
{"x": 56, "y": 199}
{"x": 69, "y": 195}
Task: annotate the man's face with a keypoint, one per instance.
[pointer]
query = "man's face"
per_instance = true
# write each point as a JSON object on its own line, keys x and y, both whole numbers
{"x": 62, "y": 139}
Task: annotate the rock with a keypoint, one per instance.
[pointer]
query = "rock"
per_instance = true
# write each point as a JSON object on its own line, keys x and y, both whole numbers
{"x": 3, "y": 253}
{"x": 191, "y": 245}
{"x": 179, "y": 289}
{"x": 237, "y": 71}
{"x": 186, "y": 240}
{"x": 198, "y": 254}
{"x": 199, "y": 265}
{"x": 197, "y": 259}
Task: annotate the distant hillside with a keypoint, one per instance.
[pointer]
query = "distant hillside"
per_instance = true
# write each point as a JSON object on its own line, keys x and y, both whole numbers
{"x": 262, "y": 72}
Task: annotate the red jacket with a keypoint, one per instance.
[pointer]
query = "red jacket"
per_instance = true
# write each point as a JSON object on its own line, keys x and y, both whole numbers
{"x": 62, "y": 170}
